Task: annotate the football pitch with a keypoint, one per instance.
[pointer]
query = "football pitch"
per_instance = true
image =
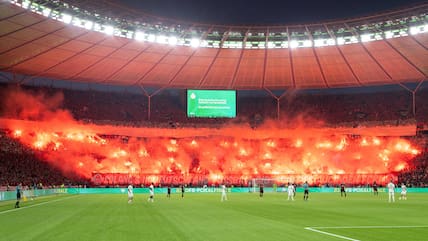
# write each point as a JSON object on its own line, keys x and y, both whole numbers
{"x": 202, "y": 217}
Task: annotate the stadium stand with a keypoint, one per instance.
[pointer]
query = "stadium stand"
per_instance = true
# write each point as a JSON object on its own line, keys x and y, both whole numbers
{"x": 125, "y": 109}
{"x": 282, "y": 74}
{"x": 21, "y": 164}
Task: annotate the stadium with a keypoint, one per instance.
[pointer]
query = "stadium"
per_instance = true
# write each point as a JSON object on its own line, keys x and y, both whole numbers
{"x": 94, "y": 99}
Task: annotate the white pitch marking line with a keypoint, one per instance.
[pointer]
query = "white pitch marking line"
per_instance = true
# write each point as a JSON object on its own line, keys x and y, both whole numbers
{"x": 35, "y": 205}
{"x": 315, "y": 229}
{"x": 331, "y": 234}
{"x": 367, "y": 227}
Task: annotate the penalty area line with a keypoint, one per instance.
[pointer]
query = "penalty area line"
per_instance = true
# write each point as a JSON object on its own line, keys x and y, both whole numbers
{"x": 38, "y": 204}
{"x": 331, "y": 234}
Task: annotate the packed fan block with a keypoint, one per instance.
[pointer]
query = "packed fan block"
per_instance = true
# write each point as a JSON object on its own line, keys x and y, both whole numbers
{"x": 308, "y": 156}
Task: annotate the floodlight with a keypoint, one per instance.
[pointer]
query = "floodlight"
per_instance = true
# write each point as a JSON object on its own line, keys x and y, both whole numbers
{"x": 378, "y": 36}
{"x": 108, "y": 29}
{"x": 365, "y": 37}
{"x": 129, "y": 34}
{"x": 97, "y": 27}
{"x": 403, "y": 33}
{"x": 389, "y": 34}
{"x": 76, "y": 22}
{"x": 66, "y": 18}
{"x": 293, "y": 44}
{"x": 151, "y": 37}
{"x": 331, "y": 41}
{"x": 161, "y": 39}
{"x": 88, "y": 24}
{"x": 318, "y": 42}
{"x": 26, "y": 4}
{"x": 307, "y": 43}
{"x": 139, "y": 36}
{"x": 195, "y": 42}
{"x": 172, "y": 40}
{"x": 47, "y": 12}
{"x": 414, "y": 30}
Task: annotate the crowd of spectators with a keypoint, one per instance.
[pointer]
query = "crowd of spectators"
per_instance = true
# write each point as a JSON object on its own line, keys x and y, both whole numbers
{"x": 168, "y": 109}
{"x": 417, "y": 174}
{"x": 21, "y": 164}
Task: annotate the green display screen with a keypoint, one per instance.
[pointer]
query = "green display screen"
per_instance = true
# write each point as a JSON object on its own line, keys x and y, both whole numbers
{"x": 211, "y": 103}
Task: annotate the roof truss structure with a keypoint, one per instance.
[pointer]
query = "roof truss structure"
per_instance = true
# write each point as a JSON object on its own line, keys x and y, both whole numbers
{"x": 34, "y": 45}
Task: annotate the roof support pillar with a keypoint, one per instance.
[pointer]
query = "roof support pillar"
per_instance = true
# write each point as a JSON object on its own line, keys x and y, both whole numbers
{"x": 413, "y": 92}
{"x": 149, "y": 98}
{"x": 278, "y": 99}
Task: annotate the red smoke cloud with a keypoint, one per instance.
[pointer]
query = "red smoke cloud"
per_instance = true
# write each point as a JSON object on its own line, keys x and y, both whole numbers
{"x": 317, "y": 155}
{"x": 34, "y": 105}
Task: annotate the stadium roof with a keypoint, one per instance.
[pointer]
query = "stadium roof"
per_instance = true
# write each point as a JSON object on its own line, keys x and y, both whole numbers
{"x": 69, "y": 41}
{"x": 266, "y": 12}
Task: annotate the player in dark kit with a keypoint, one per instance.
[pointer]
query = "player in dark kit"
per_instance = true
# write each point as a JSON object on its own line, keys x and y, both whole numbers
{"x": 182, "y": 191}
{"x": 168, "y": 195}
{"x": 18, "y": 195}
{"x": 295, "y": 188}
{"x": 375, "y": 192}
{"x": 342, "y": 190}
{"x": 306, "y": 191}
{"x": 261, "y": 190}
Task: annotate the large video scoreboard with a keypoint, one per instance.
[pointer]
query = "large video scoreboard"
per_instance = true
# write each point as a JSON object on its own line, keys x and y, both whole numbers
{"x": 211, "y": 103}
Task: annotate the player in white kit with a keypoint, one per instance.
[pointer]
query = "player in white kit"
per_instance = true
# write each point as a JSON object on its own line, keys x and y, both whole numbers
{"x": 391, "y": 194}
{"x": 291, "y": 192}
{"x": 152, "y": 193}
{"x": 403, "y": 192}
{"x": 130, "y": 193}
{"x": 223, "y": 193}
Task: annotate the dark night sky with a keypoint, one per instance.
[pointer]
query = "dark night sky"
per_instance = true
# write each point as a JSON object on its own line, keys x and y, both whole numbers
{"x": 264, "y": 12}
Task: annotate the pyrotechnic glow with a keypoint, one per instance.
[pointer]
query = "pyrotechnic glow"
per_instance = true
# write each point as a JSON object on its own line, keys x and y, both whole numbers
{"x": 194, "y": 143}
{"x": 243, "y": 152}
{"x": 271, "y": 143}
{"x": 326, "y": 145}
{"x": 299, "y": 155}
{"x": 320, "y": 155}
{"x": 171, "y": 149}
{"x": 299, "y": 143}
{"x": 17, "y": 133}
{"x": 342, "y": 144}
{"x": 143, "y": 153}
{"x": 376, "y": 141}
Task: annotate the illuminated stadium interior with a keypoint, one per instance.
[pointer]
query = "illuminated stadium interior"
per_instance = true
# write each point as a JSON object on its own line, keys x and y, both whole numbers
{"x": 295, "y": 121}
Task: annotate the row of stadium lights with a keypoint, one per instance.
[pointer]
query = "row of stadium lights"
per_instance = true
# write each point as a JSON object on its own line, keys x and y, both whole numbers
{"x": 194, "y": 42}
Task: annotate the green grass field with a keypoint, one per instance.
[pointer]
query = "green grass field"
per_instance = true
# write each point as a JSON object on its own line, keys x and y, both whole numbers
{"x": 245, "y": 216}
